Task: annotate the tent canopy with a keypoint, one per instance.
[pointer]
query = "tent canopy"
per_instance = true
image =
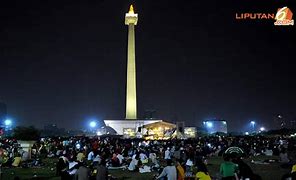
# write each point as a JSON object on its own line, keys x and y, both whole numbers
{"x": 161, "y": 124}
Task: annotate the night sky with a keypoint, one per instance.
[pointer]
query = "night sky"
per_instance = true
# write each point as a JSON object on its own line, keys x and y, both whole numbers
{"x": 64, "y": 62}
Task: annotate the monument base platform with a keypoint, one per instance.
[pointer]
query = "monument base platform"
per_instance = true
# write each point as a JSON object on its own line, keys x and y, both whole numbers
{"x": 129, "y": 126}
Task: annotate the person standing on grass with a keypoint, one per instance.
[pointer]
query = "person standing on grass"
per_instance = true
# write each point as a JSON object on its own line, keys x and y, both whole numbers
{"x": 228, "y": 169}
{"x": 180, "y": 171}
{"x": 167, "y": 154}
{"x": 169, "y": 171}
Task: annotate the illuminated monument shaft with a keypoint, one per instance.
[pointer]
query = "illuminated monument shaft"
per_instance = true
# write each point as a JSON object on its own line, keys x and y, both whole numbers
{"x": 131, "y": 94}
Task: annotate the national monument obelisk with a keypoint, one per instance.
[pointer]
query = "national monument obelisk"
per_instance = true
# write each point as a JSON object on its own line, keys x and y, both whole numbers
{"x": 130, "y": 125}
{"x": 131, "y": 20}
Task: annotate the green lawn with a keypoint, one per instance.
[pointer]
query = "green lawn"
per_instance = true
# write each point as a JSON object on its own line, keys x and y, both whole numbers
{"x": 268, "y": 172}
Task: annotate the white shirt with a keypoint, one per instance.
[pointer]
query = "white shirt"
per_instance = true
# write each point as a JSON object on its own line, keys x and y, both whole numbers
{"x": 71, "y": 165}
{"x": 189, "y": 162}
{"x": 152, "y": 156}
{"x": 90, "y": 156}
{"x": 143, "y": 156}
{"x": 97, "y": 159}
{"x": 167, "y": 154}
{"x": 170, "y": 172}
{"x": 120, "y": 158}
{"x": 132, "y": 165}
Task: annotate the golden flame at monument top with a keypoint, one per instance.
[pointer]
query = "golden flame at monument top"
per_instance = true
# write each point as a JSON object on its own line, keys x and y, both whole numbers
{"x": 131, "y": 9}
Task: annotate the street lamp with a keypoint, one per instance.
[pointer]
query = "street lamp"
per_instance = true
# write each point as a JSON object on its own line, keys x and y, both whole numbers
{"x": 7, "y": 122}
{"x": 262, "y": 129}
{"x": 93, "y": 124}
{"x": 209, "y": 124}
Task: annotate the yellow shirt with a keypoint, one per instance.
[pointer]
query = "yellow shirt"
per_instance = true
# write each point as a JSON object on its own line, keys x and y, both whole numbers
{"x": 202, "y": 176}
{"x": 293, "y": 169}
{"x": 16, "y": 161}
{"x": 181, "y": 173}
{"x": 80, "y": 157}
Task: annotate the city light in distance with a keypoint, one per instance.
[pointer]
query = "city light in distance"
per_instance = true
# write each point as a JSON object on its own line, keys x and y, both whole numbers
{"x": 262, "y": 129}
{"x": 8, "y": 122}
{"x": 209, "y": 124}
{"x": 93, "y": 124}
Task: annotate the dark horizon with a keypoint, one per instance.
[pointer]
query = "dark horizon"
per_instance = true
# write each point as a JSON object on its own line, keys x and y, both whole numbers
{"x": 65, "y": 63}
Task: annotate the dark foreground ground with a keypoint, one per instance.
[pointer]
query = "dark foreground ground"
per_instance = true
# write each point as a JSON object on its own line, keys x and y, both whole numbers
{"x": 270, "y": 171}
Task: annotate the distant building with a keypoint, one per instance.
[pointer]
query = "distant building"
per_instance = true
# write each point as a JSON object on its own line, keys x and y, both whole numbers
{"x": 215, "y": 125}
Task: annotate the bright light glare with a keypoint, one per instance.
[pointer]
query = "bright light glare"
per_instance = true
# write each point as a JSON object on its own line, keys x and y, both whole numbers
{"x": 92, "y": 124}
{"x": 99, "y": 133}
{"x": 7, "y": 122}
{"x": 209, "y": 124}
{"x": 262, "y": 129}
{"x": 253, "y": 122}
{"x": 246, "y": 133}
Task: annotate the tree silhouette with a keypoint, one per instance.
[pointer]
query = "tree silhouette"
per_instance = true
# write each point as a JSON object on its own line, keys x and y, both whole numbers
{"x": 26, "y": 133}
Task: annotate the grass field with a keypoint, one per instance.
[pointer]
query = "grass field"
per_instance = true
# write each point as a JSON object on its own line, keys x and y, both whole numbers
{"x": 267, "y": 171}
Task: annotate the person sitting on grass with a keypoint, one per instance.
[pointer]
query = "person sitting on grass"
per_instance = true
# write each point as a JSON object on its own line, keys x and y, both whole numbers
{"x": 90, "y": 156}
{"x": 83, "y": 172}
{"x": 133, "y": 166}
{"x": 245, "y": 170}
{"x": 120, "y": 158}
{"x": 16, "y": 160}
{"x": 284, "y": 160}
{"x": 96, "y": 160}
{"x": 293, "y": 172}
{"x": 80, "y": 156}
{"x": 101, "y": 171}
{"x": 61, "y": 167}
{"x": 202, "y": 171}
{"x": 169, "y": 171}
{"x": 73, "y": 166}
{"x": 290, "y": 176}
{"x": 115, "y": 161}
{"x": 143, "y": 158}
{"x": 228, "y": 169}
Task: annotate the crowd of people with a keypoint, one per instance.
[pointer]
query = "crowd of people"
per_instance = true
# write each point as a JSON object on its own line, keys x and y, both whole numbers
{"x": 84, "y": 158}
